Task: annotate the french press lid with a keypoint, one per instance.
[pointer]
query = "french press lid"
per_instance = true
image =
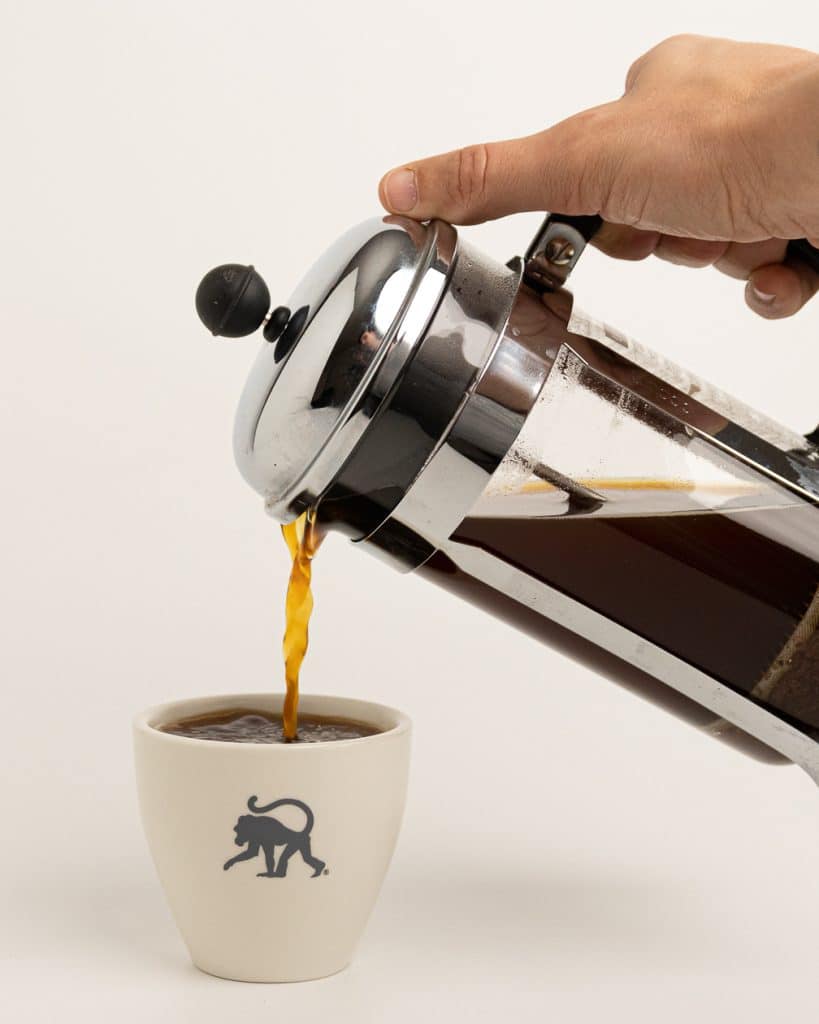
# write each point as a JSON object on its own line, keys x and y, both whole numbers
{"x": 331, "y": 355}
{"x": 405, "y": 324}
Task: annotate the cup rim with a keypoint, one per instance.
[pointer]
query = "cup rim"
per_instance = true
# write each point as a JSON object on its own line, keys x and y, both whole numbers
{"x": 366, "y": 711}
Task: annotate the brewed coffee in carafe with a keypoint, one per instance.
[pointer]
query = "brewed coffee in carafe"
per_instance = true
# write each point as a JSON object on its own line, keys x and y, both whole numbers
{"x": 731, "y": 592}
{"x": 604, "y": 499}
{"x": 460, "y": 419}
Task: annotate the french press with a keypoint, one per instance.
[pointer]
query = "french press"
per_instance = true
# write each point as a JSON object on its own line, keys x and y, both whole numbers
{"x": 461, "y": 419}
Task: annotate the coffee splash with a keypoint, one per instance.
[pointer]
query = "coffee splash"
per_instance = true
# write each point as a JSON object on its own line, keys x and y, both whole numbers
{"x": 251, "y": 725}
{"x": 303, "y": 537}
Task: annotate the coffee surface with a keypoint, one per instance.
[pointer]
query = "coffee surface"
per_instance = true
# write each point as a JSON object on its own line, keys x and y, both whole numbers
{"x": 253, "y": 726}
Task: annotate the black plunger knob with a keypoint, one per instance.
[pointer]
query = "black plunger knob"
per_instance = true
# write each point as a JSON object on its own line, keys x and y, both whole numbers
{"x": 277, "y": 323}
{"x": 232, "y": 300}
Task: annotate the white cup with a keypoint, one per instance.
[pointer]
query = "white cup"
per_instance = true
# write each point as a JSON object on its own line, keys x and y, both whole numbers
{"x": 337, "y": 833}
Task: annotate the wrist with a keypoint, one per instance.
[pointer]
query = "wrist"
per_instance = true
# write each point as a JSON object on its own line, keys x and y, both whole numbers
{"x": 806, "y": 122}
{"x": 786, "y": 145}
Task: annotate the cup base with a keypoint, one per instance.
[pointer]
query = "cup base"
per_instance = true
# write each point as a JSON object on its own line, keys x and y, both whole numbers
{"x": 252, "y": 979}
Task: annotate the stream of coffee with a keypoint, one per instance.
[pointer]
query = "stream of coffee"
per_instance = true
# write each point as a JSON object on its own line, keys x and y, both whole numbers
{"x": 303, "y": 537}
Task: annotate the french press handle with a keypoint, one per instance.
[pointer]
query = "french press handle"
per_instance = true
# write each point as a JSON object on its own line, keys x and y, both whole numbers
{"x": 801, "y": 249}
{"x": 557, "y": 247}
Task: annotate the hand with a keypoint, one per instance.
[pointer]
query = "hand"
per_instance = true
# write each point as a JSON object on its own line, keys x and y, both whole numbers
{"x": 711, "y": 157}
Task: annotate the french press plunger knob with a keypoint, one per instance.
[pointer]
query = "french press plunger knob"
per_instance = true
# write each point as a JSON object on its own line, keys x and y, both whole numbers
{"x": 232, "y": 301}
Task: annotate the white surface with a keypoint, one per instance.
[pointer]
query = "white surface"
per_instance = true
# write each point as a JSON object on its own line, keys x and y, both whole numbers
{"x": 567, "y": 850}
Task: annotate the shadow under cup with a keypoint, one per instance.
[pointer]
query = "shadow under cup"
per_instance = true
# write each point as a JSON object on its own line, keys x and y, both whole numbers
{"x": 329, "y": 841}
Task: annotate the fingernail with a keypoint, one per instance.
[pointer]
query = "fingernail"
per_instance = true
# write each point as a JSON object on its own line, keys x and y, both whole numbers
{"x": 401, "y": 190}
{"x": 764, "y": 297}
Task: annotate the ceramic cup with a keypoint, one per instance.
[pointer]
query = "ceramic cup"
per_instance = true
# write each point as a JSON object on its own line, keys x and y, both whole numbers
{"x": 343, "y": 810}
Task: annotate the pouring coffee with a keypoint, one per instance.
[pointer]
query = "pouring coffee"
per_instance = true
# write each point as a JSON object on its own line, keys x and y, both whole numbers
{"x": 462, "y": 420}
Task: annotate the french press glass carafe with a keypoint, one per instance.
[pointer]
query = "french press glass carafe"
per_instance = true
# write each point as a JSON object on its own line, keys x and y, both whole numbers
{"x": 461, "y": 419}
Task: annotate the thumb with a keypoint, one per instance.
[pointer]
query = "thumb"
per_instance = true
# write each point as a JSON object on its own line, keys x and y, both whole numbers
{"x": 567, "y": 168}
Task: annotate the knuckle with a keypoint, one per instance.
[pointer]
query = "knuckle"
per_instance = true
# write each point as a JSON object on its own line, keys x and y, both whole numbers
{"x": 471, "y": 178}
{"x": 633, "y": 73}
{"x": 690, "y": 252}
{"x": 701, "y": 250}
{"x": 678, "y": 40}
{"x": 669, "y": 48}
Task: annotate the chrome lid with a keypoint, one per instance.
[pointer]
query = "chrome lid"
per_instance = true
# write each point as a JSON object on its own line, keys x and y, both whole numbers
{"x": 356, "y": 320}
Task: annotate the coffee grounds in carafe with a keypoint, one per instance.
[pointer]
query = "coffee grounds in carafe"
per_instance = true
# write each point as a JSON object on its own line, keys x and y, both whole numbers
{"x": 791, "y": 684}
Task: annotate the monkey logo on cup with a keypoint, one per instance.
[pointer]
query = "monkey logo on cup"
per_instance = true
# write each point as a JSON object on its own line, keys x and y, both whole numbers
{"x": 261, "y": 833}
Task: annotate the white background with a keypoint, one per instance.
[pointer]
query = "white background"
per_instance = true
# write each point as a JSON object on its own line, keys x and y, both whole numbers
{"x": 568, "y": 852}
